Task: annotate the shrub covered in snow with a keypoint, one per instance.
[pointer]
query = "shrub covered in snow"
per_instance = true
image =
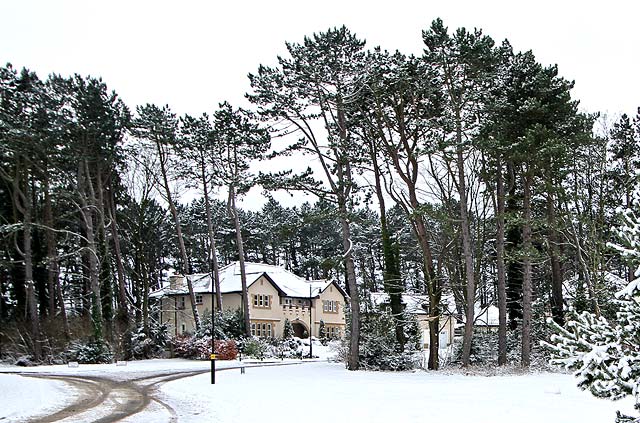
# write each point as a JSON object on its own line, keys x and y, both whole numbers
{"x": 484, "y": 345}
{"x": 605, "y": 355}
{"x": 89, "y": 352}
{"x": 226, "y": 349}
{"x": 379, "y": 349}
{"x": 200, "y": 348}
{"x": 229, "y": 325}
{"x": 139, "y": 344}
{"x": 255, "y": 348}
{"x": 187, "y": 346}
{"x": 228, "y": 329}
{"x": 287, "y": 330}
{"x": 289, "y": 348}
{"x": 262, "y": 348}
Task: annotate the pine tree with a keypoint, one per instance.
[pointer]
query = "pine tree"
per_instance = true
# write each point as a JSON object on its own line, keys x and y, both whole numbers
{"x": 465, "y": 66}
{"x": 314, "y": 86}
{"x": 239, "y": 141}
{"x": 287, "y": 330}
{"x": 158, "y": 127}
{"x": 605, "y": 355}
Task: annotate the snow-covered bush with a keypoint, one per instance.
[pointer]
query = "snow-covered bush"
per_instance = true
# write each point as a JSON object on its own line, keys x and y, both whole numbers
{"x": 256, "y": 348}
{"x": 484, "y": 350}
{"x": 226, "y": 349}
{"x": 200, "y": 348}
{"x": 228, "y": 337}
{"x": 89, "y": 352}
{"x": 484, "y": 344}
{"x": 261, "y": 348}
{"x": 229, "y": 325}
{"x": 140, "y": 345}
{"x": 191, "y": 347}
{"x": 287, "y": 330}
{"x": 379, "y": 349}
{"x": 605, "y": 355}
{"x": 288, "y": 348}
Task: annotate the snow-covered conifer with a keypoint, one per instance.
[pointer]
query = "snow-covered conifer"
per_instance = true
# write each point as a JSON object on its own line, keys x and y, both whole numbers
{"x": 605, "y": 355}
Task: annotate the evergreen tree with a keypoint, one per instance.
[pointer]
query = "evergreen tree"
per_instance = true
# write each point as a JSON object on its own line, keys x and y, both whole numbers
{"x": 605, "y": 355}
{"x": 465, "y": 66}
{"x": 537, "y": 122}
{"x": 158, "y": 127}
{"x": 287, "y": 331}
{"x": 239, "y": 140}
{"x": 316, "y": 83}
{"x": 196, "y": 147}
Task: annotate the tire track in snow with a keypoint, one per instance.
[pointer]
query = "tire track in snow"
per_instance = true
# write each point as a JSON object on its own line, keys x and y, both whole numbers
{"x": 105, "y": 400}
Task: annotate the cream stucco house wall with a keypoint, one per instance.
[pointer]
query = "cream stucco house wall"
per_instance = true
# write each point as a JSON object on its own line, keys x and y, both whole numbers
{"x": 274, "y": 294}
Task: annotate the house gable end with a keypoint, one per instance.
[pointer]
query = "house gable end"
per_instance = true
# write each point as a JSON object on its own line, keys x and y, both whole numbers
{"x": 281, "y": 293}
{"x": 335, "y": 285}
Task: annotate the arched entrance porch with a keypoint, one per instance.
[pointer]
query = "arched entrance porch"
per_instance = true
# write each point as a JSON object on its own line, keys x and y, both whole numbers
{"x": 300, "y": 329}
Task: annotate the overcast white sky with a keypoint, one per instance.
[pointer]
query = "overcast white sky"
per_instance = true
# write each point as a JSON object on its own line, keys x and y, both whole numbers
{"x": 194, "y": 54}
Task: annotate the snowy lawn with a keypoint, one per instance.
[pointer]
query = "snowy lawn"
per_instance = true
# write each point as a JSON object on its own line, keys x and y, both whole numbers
{"x": 321, "y": 392}
{"x": 317, "y": 392}
{"x": 21, "y": 397}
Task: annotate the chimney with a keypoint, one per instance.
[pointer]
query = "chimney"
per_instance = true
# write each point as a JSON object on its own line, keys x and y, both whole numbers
{"x": 176, "y": 282}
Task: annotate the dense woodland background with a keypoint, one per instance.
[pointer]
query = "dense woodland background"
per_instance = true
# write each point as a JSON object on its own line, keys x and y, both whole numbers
{"x": 467, "y": 171}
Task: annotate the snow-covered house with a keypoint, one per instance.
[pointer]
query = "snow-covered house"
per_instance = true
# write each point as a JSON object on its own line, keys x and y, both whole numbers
{"x": 486, "y": 319}
{"x": 418, "y": 306}
{"x": 274, "y": 293}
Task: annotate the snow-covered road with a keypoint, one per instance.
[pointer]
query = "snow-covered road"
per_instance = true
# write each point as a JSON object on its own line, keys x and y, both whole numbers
{"x": 98, "y": 393}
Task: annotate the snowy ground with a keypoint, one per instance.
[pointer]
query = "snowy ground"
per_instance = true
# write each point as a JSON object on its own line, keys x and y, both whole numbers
{"x": 21, "y": 397}
{"x": 321, "y": 391}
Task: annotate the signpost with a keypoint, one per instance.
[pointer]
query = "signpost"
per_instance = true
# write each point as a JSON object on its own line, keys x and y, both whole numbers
{"x": 213, "y": 328}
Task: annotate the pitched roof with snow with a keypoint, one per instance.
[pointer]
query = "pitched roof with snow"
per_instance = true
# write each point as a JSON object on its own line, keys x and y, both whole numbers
{"x": 415, "y": 303}
{"x": 487, "y": 316}
{"x": 288, "y": 283}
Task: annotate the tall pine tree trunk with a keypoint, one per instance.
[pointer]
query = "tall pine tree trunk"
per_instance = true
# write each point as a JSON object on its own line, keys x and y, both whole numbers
{"x": 213, "y": 255}
{"x": 353, "y": 359}
{"x": 526, "y": 269}
{"x": 87, "y": 207}
{"x": 106, "y": 278}
{"x": 433, "y": 290}
{"x": 233, "y": 212}
{"x": 408, "y": 172}
{"x": 52, "y": 256}
{"x": 53, "y": 271}
{"x": 468, "y": 259}
{"x": 176, "y": 220}
{"x": 24, "y": 205}
{"x": 502, "y": 291}
{"x": 393, "y": 284}
{"x": 123, "y": 309}
{"x": 513, "y": 238}
{"x": 557, "y": 300}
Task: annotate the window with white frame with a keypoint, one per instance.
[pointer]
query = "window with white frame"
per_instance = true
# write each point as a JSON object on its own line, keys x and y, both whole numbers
{"x": 198, "y": 299}
{"x": 262, "y": 301}
{"x": 287, "y": 302}
{"x": 330, "y": 306}
{"x": 181, "y": 303}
